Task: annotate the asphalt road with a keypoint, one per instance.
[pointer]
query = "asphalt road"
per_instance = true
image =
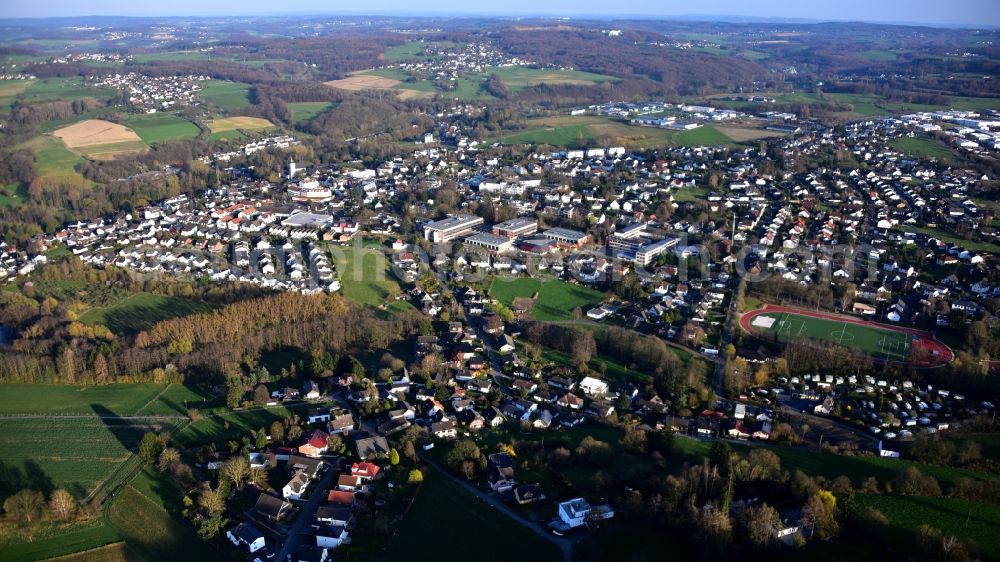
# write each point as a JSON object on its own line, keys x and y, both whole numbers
{"x": 306, "y": 514}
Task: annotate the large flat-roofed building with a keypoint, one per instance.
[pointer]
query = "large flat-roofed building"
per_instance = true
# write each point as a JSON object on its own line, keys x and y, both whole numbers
{"x": 450, "y": 228}
{"x": 649, "y": 251}
{"x": 314, "y": 220}
{"x": 490, "y": 242}
{"x": 515, "y": 228}
{"x": 634, "y": 243}
{"x": 567, "y": 238}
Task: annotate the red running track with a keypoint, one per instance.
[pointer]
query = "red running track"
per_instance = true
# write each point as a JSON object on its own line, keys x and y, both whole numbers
{"x": 926, "y": 341}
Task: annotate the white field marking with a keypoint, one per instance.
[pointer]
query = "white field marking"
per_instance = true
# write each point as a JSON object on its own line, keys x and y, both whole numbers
{"x": 763, "y": 322}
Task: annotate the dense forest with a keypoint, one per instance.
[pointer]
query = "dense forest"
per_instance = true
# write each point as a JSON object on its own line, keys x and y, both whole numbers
{"x": 54, "y": 346}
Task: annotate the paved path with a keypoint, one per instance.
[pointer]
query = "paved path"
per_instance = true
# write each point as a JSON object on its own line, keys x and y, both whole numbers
{"x": 305, "y": 516}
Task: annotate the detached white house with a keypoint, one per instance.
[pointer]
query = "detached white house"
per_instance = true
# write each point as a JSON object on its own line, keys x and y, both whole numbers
{"x": 593, "y": 387}
{"x": 246, "y": 536}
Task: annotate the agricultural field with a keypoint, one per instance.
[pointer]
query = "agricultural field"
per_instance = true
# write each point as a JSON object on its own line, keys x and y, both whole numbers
{"x": 68, "y": 89}
{"x": 140, "y": 311}
{"x": 922, "y": 148}
{"x": 579, "y": 131}
{"x": 591, "y": 130}
{"x": 472, "y": 525}
{"x": 124, "y": 399}
{"x": 303, "y": 111}
{"x": 357, "y": 82}
{"x": 76, "y": 454}
{"x": 9, "y": 89}
{"x": 100, "y": 140}
{"x": 882, "y": 342}
{"x": 159, "y": 127}
{"x": 365, "y": 274}
{"x": 975, "y": 521}
{"x": 225, "y": 95}
{"x": 556, "y": 299}
{"x": 226, "y": 127}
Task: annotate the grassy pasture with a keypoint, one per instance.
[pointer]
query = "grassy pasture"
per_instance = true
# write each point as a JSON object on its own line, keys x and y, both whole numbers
{"x": 159, "y": 127}
{"x": 365, "y": 274}
{"x": 81, "y": 539}
{"x": 237, "y": 123}
{"x": 231, "y": 425}
{"x": 13, "y": 194}
{"x": 517, "y": 78}
{"x": 307, "y": 110}
{"x": 702, "y": 136}
{"x": 556, "y": 299}
{"x": 966, "y": 520}
{"x": 53, "y": 159}
{"x": 177, "y": 398}
{"x": 150, "y": 531}
{"x": 922, "y": 148}
{"x": 413, "y": 49}
{"x": 226, "y": 95}
{"x": 140, "y": 311}
{"x": 472, "y": 525}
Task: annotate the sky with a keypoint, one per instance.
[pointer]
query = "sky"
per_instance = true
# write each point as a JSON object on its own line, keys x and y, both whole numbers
{"x": 936, "y": 12}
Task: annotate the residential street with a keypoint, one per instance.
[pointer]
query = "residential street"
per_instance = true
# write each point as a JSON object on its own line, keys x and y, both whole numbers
{"x": 305, "y": 515}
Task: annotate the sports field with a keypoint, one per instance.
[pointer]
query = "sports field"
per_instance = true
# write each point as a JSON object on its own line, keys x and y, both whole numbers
{"x": 880, "y": 341}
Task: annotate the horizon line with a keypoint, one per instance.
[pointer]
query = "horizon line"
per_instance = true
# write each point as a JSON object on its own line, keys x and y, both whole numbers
{"x": 705, "y": 18}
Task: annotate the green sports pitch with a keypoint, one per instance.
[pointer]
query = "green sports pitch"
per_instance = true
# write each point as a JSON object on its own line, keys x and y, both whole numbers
{"x": 886, "y": 343}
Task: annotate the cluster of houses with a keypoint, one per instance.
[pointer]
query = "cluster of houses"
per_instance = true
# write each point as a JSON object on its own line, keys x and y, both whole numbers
{"x": 445, "y": 63}
{"x": 153, "y": 93}
{"x": 246, "y": 149}
{"x": 329, "y": 520}
{"x": 791, "y": 220}
{"x": 886, "y": 409}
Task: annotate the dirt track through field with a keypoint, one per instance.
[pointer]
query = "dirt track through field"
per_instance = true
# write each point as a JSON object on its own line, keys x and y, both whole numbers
{"x": 93, "y": 132}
